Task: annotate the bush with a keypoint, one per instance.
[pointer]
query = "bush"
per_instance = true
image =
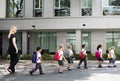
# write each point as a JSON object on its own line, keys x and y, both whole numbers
{"x": 47, "y": 57}
{"x": 26, "y": 57}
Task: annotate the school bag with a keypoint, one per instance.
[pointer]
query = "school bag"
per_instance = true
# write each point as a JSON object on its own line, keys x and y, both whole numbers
{"x": 34, "y": 57}
{"x": 97, "y": 54}
{"x": 56, "y": 56}
{"x": 82, "y": 55}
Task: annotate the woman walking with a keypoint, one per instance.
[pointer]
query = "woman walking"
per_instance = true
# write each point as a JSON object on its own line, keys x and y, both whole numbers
{"x": 13, "y": 49}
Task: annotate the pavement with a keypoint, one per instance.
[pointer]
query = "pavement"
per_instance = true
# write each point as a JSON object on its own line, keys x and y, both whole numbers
{"x": 93, "y": 73}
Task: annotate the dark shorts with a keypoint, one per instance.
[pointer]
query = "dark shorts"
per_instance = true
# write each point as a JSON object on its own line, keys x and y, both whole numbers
{"x": 70, "y": 60}
{"x": 60, "y": 62}
{"x": 100, "y": 59}
{"x": 111, "y": 60}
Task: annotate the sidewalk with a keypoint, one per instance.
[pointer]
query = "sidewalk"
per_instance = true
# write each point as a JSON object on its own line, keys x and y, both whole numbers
{"x": 93, "y": 73}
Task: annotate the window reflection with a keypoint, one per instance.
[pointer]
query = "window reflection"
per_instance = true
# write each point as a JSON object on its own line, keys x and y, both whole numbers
{"x": 38, "y": 8}
{"x": 86, "y": 7}
{"x": 62, "y": 8}
{"x": 111, "y": 7}
{"x": 15, "y": 8}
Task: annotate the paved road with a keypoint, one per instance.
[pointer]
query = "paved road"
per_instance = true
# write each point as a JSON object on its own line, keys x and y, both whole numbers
{"x": 51, "y": 74}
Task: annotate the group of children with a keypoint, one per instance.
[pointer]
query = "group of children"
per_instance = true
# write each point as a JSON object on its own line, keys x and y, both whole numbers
{"x": 68, "y": 57}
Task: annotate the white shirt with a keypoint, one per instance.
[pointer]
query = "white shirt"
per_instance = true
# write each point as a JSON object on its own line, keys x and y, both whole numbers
{"x": 60, "y": 54}
{"x": 100, "y": 50}
{"x": 112, "y": 53}
{"x": 38, "y": 56}
{"x": 70, "y": 52}
{"x": 84, "y": 51}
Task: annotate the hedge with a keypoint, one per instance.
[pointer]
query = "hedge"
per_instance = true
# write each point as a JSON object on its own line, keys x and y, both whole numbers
{"x": 50, "y": 57}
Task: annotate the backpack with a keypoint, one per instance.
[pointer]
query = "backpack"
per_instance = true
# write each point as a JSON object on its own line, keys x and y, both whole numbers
{"x": 97, "y": 54}
{"x": 81, "y": 55}
{"x": 34, "y": 57}
{"x": 56, "y": 56}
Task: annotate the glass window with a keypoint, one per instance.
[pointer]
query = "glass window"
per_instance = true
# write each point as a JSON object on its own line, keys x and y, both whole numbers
{"x": 86, "y": 7}
{"x": 62, "y": 8}
{"x": 19, "y": 41}
{"x": 15, "y": 8}
{"x": 86, "y": 39}
{"x": 47, "y": 40}
{"x": 111, "y": 7}
{"x": 38, "y": 8}
{"x": 71, "y": 39}
{"x": 113, "y": 39}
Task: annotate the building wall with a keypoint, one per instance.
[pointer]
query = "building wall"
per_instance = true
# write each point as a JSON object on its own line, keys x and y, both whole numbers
{"x": 98, "y": 37}
{"x": 2, "y": 8}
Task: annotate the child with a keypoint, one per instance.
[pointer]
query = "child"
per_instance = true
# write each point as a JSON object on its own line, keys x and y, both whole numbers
{"x": 38, "y": 62}
{"x": 60, "y": 61}
{"x": 99, "y": 49}
{"x": 111, "y": 57}
{"x": 85, "y": 59}
{"x": 69, "y": 57}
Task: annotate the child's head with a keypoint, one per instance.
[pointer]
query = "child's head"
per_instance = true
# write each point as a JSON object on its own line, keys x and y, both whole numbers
{"x": 99, "y": 46}
{"x": 83, "y": 46}
{"x": 61, "y": 46}
{"x": 69, "y": 47}
{"x": 39, "y": 49}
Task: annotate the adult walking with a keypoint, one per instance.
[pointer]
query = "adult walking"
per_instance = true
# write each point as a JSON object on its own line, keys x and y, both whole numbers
{"x": 13, "y": 49}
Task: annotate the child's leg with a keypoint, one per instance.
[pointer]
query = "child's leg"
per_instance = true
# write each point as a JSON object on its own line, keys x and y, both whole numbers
{"x": 40, "y": 69}
{"x": 35, "y": 68}
{"x": 85, "y": 63}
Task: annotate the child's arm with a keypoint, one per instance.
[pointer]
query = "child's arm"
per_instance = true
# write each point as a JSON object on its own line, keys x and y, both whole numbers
{"x": 64, "y": 57}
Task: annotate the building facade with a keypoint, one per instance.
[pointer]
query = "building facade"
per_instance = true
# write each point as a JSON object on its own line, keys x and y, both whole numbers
{"x": 48, "y": 23}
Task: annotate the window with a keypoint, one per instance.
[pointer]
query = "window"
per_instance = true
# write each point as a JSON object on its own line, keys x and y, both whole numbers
{"x": 111, "y": 7}
{"x": 15, "y": 8}
{"x": 71, "y": 39}
{"x": 113, "y": 39}
{"x": 62, "y": 7}
{"x": 86, "y": 39}
{"x": 47, "y": 40}
{"x": 38, "y": 8}
{"x": 86, "y": 7}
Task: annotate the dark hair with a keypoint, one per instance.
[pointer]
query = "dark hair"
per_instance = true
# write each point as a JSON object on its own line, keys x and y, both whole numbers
{"x": 99, "y": 46}
{"x": 38, "y": 48}
{"x": 83, "y": 45}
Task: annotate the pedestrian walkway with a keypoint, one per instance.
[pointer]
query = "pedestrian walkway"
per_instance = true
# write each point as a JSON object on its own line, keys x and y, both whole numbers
{"x": 93, "y": 73}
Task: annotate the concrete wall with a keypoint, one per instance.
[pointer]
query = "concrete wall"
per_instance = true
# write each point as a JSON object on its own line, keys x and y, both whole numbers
{"x": 98, "y": 37}
{"x": 61, "y": 39}
{"x": 24, "y": 42}
{"x": 75, "y": 8}
{"x": 48, "y": 8}
{"x": 78, "y": 41}
{"x": 62, "y": 23}
{"x": 28, "y": 8}
{"x": 2, "y": 8}
{"x": 96, "y": 7}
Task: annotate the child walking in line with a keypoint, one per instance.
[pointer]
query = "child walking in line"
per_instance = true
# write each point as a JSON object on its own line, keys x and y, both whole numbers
{"x": 69, "y": 57}
{"x": 38, "y": 62}
{"x": 83, "y": 59}
{"x": 60, "y": 61}
{"x": 111, "y": 57}
{"x": 99, "y": 55}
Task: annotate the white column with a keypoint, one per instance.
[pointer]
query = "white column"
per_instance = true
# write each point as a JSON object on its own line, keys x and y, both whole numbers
{"x": 61, "y": 39}
{"x": 24, "y": 42}
{"x": 78, "y": 41}
{"x": 3, "y": 8}
{"x": 28, "y": 8}
{"x": 75, "y": 8}
{"x": 98, "y": 37}
{"x": 97, "y": 7}
{"x": 48, "y": 10}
